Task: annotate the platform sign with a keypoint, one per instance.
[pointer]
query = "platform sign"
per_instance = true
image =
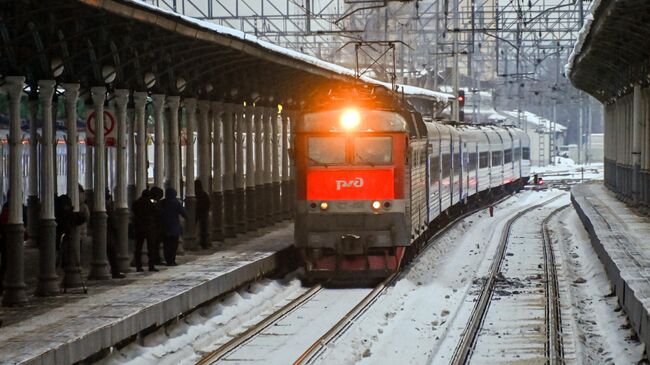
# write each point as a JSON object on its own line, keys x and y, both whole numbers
{"x": 110, "y": 133}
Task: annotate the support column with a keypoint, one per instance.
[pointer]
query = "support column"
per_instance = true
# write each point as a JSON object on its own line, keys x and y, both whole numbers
{"x": 189, "y": 241}
{"x": 131, "y": 192}
{"x": 203, "y": 134}
{"x": 269, "y": 114}
{"x": 240, "y": 182}
{"x": 250, "y": 195}
{"x": 47, "y": 278}
{"x": 229, "y": 169}
{"x": 14, "y": 281}
{"x": 159, "y": 141}
{"x": 276, "y": 145}
{"x": 140, "y": 126}
{"x": 32, "y": 197}
{"x": 99, "y": 269}
{"x": 259, "y": 169}
{"x": 636, "y": 144}
{"x": 291, "y": 198}
{"x": 72, "y": 258}
{"x": 173, "y": 103}
{"x": 121, "y": 201}
{"x": 217, "y": 177}
{"x": 286, "y": 184}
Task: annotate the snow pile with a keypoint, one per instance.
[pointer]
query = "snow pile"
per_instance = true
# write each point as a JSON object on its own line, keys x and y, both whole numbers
{"x": 599, "y": 328}
{"x": 187, "y": 340}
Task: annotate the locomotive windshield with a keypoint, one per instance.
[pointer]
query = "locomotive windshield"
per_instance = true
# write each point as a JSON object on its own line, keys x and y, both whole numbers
{"x": 327, "y": 150}
{"x": 373, "y": 150}
{"x": 366, "y": 150}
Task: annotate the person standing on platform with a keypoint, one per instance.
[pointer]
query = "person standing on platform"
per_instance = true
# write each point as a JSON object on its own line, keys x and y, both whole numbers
{"x": 145, "y": 218}
{"x": 84, "y": 211}
{"x": 111, "y": 237}
{"x": 171, "y": 210}
{"x": 202, "y": 213}
{"x": 157, "y": 194}
{"x": 66, "y": 219}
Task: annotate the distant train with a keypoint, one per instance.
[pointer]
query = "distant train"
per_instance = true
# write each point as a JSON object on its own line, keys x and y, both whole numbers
{"x": 373, "y": 179}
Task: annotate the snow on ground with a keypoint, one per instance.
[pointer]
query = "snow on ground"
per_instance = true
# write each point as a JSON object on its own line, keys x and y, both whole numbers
{"x": 185, "y": 341}
{"x": 407, "y": 324}
{"x": 566, "y": 168}
{"x": 598, "y": 326}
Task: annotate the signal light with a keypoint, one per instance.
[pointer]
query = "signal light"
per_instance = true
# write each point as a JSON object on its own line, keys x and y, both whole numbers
{"x": 350, "y": 119}
{"x": 461, "y": 105}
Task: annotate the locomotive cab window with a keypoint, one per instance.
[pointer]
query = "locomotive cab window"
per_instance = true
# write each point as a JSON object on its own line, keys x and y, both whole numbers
{"x": 326, "y": 150}
{"x": 373, "y": 150}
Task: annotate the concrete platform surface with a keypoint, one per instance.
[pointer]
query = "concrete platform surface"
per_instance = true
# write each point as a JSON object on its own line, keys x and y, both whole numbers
{"x": 621, "y": 238}
{"x": 70, "y": 328}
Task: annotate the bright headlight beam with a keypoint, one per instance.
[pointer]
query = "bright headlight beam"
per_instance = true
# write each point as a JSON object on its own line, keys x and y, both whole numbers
{"x": 350, "y": 119}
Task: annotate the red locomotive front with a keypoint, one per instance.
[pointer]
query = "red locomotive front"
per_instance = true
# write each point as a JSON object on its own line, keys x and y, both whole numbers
{"x": 351, "y": 210}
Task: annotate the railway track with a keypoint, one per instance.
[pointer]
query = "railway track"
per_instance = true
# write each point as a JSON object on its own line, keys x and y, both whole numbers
{"x": 524, "y": 304}
{"x": 296, "y": 309}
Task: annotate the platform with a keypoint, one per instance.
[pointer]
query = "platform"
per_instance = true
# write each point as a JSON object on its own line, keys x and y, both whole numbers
{"x": 620, "y": 237}
{"x": 69, "y": 328}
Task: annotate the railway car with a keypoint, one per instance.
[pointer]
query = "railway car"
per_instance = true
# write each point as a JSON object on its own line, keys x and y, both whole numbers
{"x": 374, "y": 179}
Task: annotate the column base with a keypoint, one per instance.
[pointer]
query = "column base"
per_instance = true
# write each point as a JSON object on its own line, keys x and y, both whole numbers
{"x": 72, "y": 261}
{"x": 286, "y": 194}
{"x": 277, "y": 202}
{"x": 122, "y": 240}
{"x": 216, "y": 233}
{"x": 14, "y": 286}
{"x": 240, "y": 211}
{"x": 229, "y": 213}
{"x": 99, "y": 267}
{"x": 33, "y": 207}
{"x": 268, "y": 204}
{"x": 251, "y": 205}
{"x": 48, "y": 281}
{"x": 189, "y": 238}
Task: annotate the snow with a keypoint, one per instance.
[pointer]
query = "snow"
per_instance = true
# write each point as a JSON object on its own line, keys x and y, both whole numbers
{"x": 273, "y": 48}
{"x": 599, "y": 328}
{"x": 582, "y": 37}
{"x": 566, "y": 168}
{"x": 185, "y": 341}
{"x": 533, "y": 118}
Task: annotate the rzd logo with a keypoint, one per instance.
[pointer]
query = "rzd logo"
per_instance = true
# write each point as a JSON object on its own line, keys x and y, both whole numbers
{"x": 356, "y": 183}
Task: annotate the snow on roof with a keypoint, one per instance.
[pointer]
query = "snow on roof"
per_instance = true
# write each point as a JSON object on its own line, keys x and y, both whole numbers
{"x": 582, "y": 37}
{"x": 328, "y": 66}
{"x": 532, "y": 118}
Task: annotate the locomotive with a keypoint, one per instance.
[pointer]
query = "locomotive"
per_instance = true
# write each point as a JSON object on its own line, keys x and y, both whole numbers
{"x": 374, "y": 180}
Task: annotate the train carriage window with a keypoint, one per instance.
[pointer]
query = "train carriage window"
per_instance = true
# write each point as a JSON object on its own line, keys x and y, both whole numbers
{"x": 507, "y": 157}
{"x": 526, "y": 153}
{"x": 446, "y": 165}
{"x": 473, "y": 157}
{"x": 373, "y": 150}
{"x": 326, "y": 150}
{"x": 457, "y": 163}
{"x": 517, "y": 153}
{"x": 484, "y": 158}
{"x": 497, "y": 158}
{"x": 434, "y": 166}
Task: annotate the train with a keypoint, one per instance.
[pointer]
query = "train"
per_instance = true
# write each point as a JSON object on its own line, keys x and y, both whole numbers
{"x": 375, "y": 179}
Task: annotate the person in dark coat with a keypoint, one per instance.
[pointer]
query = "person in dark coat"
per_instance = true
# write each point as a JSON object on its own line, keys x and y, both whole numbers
{"x": 171, "y": 210}
{"x": 66, "y": 219}
{"x": 111, "y": 238}
{"x": 145, "y": 219}
{"x": 202, "y": 213}
{"x": 157, "y": 194}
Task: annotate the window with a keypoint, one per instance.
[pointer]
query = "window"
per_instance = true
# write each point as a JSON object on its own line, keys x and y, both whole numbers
{"x": 526, "y": 153}
{"x": 326, "y": 150}
{"x": 373, "y": 150}
{"x": 434, "y": 167}
{"x": 484, "y": 158}
{"x": 517, "y": 153}
{"x": 497, "y": 158}
{"x": 507, "y": 157}
{"x": 457, "y": 163}
{"x": 473, "y": 160}
{"x": 446, "y": 165}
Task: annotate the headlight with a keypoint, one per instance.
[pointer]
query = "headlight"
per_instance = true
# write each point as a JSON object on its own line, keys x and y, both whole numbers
{"x": 376, "y": 205}
{"x": 324, "y": 205}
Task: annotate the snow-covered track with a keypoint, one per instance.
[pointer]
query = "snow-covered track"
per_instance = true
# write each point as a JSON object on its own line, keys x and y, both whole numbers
{"x": 240, "y": 339}
{"x": 468, "y": 340}
{"x": 554, "y": 348}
